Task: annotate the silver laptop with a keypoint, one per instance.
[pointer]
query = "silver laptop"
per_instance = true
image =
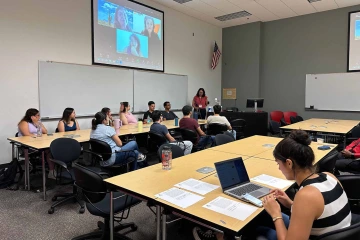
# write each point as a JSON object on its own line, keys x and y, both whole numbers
{"x": 235, "y": 181}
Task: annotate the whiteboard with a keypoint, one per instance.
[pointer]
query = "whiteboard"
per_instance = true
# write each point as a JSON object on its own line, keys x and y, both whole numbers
{"x": 85, "y": 88}
{"x": 159, "y": 87}
{"x": 334, "y": 92}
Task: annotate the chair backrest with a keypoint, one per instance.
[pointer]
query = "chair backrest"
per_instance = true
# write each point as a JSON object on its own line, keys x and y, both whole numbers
{"x": 293, "y": 119}
{"x": 221, "y": 139}
{"x": 176, "y": 150}
{"x": 65, "y": 149}
{"x": 276, "y": 116}
{"x": 17, "y": 134}
{"x": 274, "y": 127}
{"x": 216, "y": 128}
{"x": 101, "y": 148}
{"x": 355, "y": 132}
{"x": 230, "y": 134}
{"x": 91, "y": 184}
{"x": 299, "y": 118}
{"x": 350, "y": 184}
{"x": 189, "y": 135}
{"x": 157, "y": 138}
{"x": 287, "y": 116}
{"x": 283, "y": 122}
{"x": 328, "y": 163}
{"x": 349, "y": 233}
{"x": 238, "y": 125}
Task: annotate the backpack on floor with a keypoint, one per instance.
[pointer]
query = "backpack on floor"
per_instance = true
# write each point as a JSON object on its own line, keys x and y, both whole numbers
{"x": 8, "y": 172}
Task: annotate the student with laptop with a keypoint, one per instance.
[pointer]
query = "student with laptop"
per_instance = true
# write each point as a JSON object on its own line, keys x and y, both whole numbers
{"x": 162, "y": 129}
{"x": 329, "y": 209}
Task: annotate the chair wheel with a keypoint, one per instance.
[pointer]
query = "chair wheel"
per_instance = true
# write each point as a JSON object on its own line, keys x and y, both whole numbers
{"x": 134, "y": 228}
{"x": 54, "y": 199}
{"x": 82, "y": 210}
{"x": 51, "y": 211}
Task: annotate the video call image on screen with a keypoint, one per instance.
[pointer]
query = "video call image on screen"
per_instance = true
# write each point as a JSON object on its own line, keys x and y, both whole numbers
{"x": 127, "y": 34}
{"x": 354, "y": 42}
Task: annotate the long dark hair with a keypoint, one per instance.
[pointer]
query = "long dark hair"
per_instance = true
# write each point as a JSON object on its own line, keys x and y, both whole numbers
{"x": 200, "y": 89}
{"x": 145, "y": 29}
{"x": 138, "y": 42}
{"x": 98, "y": 119}
{"x": 296, "y": 148}
{"x": 66, "y": 115}
{"x": 126, "y": 104}
{"x": 117, "y": 24}
{"x": 28, "y": 114}
{"x": 105, "y": 110}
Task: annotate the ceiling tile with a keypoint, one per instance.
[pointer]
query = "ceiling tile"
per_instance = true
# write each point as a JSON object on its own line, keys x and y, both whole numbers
{"x": 347, "y": 3}
{"x": 223, "y": 5}
{"x": 325, "y": 5}
{"x": 277, "y": 7}
{"x": 239, "y": 2}
{"x": 300, "y": 7}
{"x": 259, "y": 11}
{"x": 204, "y": 8}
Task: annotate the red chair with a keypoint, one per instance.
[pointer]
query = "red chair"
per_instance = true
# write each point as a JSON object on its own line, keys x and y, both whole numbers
{"x": 287, "y": 116}
{"x": 276, "y": 116}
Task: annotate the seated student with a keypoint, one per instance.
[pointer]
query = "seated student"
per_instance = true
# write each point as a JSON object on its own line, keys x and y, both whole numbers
{"x": 126, "y": 116}
{"x": 121, "y": 108}
{"x": 319, "y": 207}
{"x": 190, "y": 123}
{"x": 347, "y": 158}
{"x": 162, "y": 129}
{"x": 28, "y": 127}
{"x": 68, "y": 122}
{"x": 109, "y": 119}
{"x": 148, "y": 114}
{"x": 167, "y": 114}
{"x": 102, "y": 132}
{"x": 216, "y": 118}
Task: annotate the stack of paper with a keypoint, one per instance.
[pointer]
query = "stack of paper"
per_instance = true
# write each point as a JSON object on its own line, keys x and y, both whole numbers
{"x": 231, "y": 208}
{"x": 272, "y": 181}
{"x": 197, "y": 186}
{"x": 179, "y": 197}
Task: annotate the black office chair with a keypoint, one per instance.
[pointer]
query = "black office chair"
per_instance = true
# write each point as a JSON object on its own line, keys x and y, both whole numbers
{"x": 190, "y": 135}
{"x": 350, "y": 184}
{"x": 97, "y": 197}
{"x": 274, "y": 128}
{"x": 176, "y": 150}
{"x": 299, "y": 118}
{"x": 102, "y": 152}
{"x": 354, "y": 135}
{"x": 216, "y": 128}
{"x": 283, "y": 122}
{"x": 157, "y": 138}
{"x": 293, "y": 119}
{"x": 239, "y": 126}
{"x": 221, "y": 139}
{"x": 64, "y": 152}
{"x": 230, "y": 134}
{"x": 328, "y": 163}
{"x": 349, "y": 233}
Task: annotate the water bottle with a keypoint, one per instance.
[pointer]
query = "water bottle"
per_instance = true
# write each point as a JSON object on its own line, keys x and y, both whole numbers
{"x": 166, "y": 158}
{"x": 176, "y": 121}
{"x": 148, "y": 120}
{"x": 39, "y": 129}
{"x": 140, "y": 126}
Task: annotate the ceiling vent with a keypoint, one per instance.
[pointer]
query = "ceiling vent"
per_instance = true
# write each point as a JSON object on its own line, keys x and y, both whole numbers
{"x": 182, "y": 1}
{"x": 233, "y": 16}
{"x": 311, "y": 1}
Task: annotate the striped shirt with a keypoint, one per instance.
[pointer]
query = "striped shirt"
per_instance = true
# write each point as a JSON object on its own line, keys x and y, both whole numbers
{"x": 336, "y": 214}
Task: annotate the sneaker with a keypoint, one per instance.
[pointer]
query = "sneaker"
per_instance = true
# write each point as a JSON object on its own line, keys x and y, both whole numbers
{"x": 52, "y": 174}
{"x": 141, "y": 157}
{"x": 199, "y": 234}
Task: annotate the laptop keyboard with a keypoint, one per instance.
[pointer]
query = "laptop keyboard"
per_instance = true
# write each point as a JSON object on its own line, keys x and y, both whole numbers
{"x": 245, "y": 189}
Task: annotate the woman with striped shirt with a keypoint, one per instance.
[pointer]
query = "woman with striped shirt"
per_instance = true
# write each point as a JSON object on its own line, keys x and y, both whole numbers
{"x": 319, "y": 207}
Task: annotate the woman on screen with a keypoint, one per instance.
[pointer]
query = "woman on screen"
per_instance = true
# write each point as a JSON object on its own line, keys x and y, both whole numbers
{"x": 121, "y": 20}
{"x": 134, "y": 46}
{"x": 149, "y": 30}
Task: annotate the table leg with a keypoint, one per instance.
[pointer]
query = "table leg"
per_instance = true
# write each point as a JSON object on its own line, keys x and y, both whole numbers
{"x": 158, "y": 224}
{"x": 163, "y": 228}
{"x": 111, "y": 216}
{"x": 43, "y": 173}
{"x": 12, "y": 151}
{"x": 27, "y": 178}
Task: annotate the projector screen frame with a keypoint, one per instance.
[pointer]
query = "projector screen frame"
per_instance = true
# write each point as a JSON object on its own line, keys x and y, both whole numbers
{"x": 128, "y": 67}
{"x": 348, "y": 45}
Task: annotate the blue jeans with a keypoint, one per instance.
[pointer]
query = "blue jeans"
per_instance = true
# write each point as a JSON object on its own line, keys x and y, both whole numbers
{"x": 206, "y": 141}
{"x": 233, "y": 133}
{"x": 266, "y": 230}
{"x": 122, "y": 157}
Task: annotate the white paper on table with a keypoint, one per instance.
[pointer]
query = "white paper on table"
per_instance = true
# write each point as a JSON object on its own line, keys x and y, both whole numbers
{"x": 197, "y": 186}
{"x": 231, "y": 208}
{"x": 272, "y": 181}
{"x": 179, "y": 197}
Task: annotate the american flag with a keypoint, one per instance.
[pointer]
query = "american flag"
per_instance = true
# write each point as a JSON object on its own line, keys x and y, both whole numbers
{"x": 215, "y": 57}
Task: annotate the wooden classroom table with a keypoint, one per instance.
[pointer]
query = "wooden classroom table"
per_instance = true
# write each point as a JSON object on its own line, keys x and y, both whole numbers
{"x": 324, "y": 127}
{"x": 42, "y": 143}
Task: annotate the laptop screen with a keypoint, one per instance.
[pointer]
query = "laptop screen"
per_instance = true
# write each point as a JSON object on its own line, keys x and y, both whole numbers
{"x": 231, "y": 173}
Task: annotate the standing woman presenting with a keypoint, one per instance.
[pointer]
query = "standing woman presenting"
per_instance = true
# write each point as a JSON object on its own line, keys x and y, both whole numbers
{"x": 199, "y": 103}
